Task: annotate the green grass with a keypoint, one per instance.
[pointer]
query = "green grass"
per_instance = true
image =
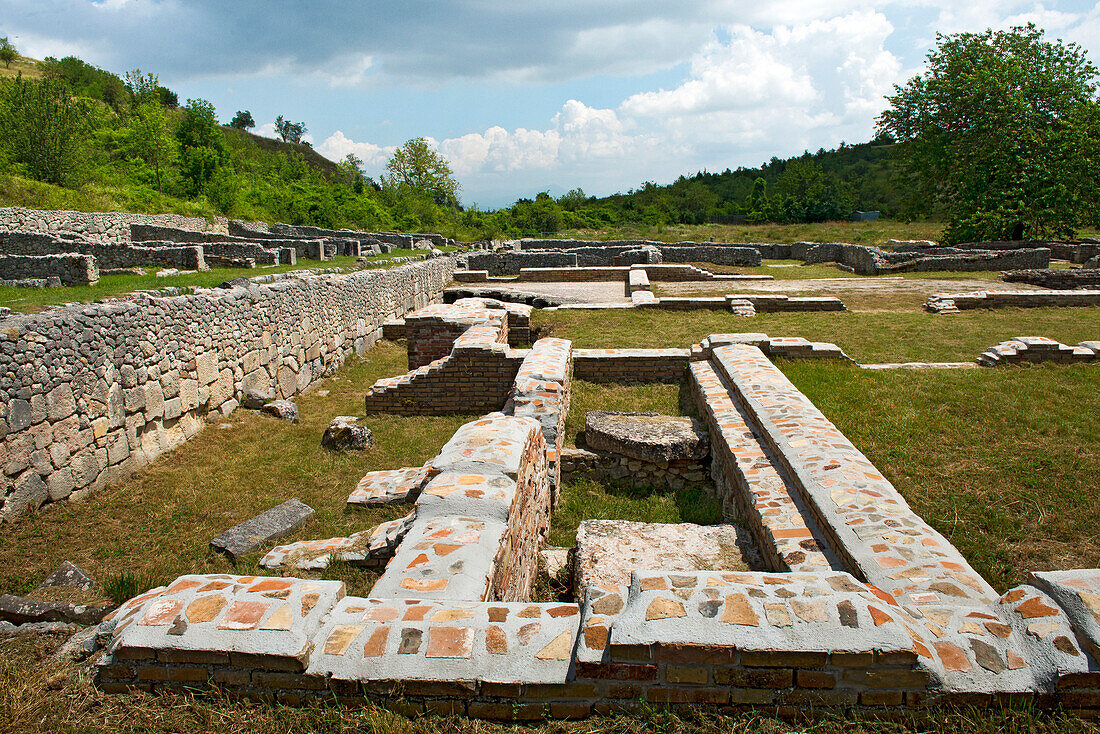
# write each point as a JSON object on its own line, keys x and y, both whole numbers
{"x": 586, "y": 499}
{"x": 29, "y": 300}
{"x": 1001, "y": 461}
{"x": 867, "y": 337}
{"x": 158, "y": 523}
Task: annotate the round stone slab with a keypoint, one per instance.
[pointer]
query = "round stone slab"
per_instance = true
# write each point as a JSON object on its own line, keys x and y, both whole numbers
{"x": 646, "y": 436}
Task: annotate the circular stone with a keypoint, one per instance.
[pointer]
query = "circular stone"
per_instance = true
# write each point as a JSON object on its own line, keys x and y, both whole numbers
{"x": 648, "y": 437}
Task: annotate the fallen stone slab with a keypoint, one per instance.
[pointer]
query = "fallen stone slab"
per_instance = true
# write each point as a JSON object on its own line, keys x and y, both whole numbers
{"x": 646, "y": 436}
{"x": 283, "y": 409}
{"x": 345, "y": 434}
{"x": 251, "y": 534}
{"x": 70, "y": 575}
{"x": 20, "y": 610}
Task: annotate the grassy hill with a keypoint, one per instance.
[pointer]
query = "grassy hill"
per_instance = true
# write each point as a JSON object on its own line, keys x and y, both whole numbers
{"x": 28, "y": 67}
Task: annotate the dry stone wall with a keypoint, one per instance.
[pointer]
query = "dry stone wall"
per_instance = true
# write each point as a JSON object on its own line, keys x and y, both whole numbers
{"x": 98, "y": 226}
{"x": 89, "y": 393}
{"x": 69, "y": 269}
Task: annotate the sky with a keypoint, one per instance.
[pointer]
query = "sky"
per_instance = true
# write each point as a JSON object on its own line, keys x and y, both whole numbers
{"x": 538, "y": 95}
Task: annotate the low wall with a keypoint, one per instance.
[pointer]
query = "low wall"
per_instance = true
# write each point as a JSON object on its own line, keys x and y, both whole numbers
{"x": 1056, "y": 279}
{"x": 98, "y": 226}
{"x": 873, "y": 261}
{"x": 510, "y": 263}
{"x": 1075, "y": 251}
{"x": 113, "y": 385}
{"x": 70, "y": 269}
{"x": 108, "y": 255}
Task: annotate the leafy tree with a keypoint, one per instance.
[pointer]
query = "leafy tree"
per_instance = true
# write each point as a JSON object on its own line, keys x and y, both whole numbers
{"x": 43, "y": 128}
{"x": 242, "y": 120}
{"x": 290, "y": 132}
{"x": 202, "y": 145}
{"x": 415, "y": 165}
{"x": 151, "y": 138}
{"x": 351, "y": 171}
{"x": 1004, "y": 129}
{"x": 86, "y": 80}
{"x": 143, "y": 87}
{"x": 573, "y": 200}
{"x": 8, "y": 53}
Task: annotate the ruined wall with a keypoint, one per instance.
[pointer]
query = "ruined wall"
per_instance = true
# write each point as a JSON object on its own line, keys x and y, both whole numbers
{"x": 68, "y": 268}
{"x": 108, "y": 255}
{"x": 1057, "y": 279}
{"x": 98, "y": 226}
{"x": 90, "y": 393}
{"x": 510, "y": 263}
{"x": 873, "y": 261}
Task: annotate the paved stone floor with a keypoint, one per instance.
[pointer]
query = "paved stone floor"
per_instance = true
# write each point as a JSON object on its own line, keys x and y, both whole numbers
{"x": 591, "y": 292}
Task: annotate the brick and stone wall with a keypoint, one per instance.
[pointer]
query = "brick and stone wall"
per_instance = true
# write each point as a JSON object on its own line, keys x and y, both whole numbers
{"x": 69, "y": 269}
{"x": 89, "y": 393}
{"x": 98, "y": 226}
{"x": 108, "y": 255}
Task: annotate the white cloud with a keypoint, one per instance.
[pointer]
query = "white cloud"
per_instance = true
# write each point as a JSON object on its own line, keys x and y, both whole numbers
{"x": 337, "y": 146}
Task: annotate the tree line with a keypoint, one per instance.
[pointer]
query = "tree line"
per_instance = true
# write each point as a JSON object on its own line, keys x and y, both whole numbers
{"x": 999, "y": 136}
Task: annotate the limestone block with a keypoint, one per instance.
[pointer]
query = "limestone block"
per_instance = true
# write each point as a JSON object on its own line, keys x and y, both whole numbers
{"x": 29, "y": 493}
{"x": 245, "y": 538}
{"x": 206, "y": 367}
{"x": 154, "y": 400}
{"x": 189, "y": 395}
{"x": 60, "y": 484}
{"x": 60, "y": 403}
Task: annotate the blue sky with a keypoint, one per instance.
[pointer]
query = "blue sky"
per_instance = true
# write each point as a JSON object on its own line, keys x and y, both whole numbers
{"x": 543, "y": 94}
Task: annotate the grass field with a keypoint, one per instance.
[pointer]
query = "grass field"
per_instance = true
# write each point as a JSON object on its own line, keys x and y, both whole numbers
{"x": 29, "y": 300}
{"x": 867, "y": 337}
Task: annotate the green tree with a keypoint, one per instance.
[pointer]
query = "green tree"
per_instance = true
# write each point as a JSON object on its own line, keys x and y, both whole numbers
{"x": 351, "y": 171}
{"x": 242, "y": 120}
{"x": 417, "y": 166}
{"x": 202, "y": 145}
{"x": 8, "y": 53}
{"x": 143, "y": 87}
{"x": 151, "y": 138}
{"x": 44, "y": 129}
{"x": 1004, "y": 129}
{"x": 290, "y": 132}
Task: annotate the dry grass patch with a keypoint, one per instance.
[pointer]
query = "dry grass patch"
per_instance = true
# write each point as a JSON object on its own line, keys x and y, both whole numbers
{"x": 157, "y": 524}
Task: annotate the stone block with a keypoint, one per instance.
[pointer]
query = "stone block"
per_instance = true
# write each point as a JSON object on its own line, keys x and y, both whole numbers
{"x": 247, "y": 537}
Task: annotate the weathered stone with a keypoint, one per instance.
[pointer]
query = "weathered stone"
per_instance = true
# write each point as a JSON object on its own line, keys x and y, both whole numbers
{"x": 609, "y": 550}
{"x": 245, "y": 538}
{"x": 255, "y": 398}
{"x": 69, "y": 574}
{"x": 345, "y": 434}
{"x": 284, "y": 409}
{"x": 19, "y": 610}
{"x": 646, "y": 436}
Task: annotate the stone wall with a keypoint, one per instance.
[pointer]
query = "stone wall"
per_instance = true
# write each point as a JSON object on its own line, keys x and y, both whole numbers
{"x": 1074, "y": 251}
{"x": 89, "y": 393}
{"x": 70, "y": 269}
{"x": 873, "y": 261}
{"x": 108, "y": 255}
{"x": 1056, "y": 279}
{"x": 510, "y": 263}
{"x": 98, "y": 226}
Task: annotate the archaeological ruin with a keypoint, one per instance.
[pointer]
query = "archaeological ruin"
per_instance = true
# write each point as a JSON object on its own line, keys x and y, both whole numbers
{"x": 829, "y": 591}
